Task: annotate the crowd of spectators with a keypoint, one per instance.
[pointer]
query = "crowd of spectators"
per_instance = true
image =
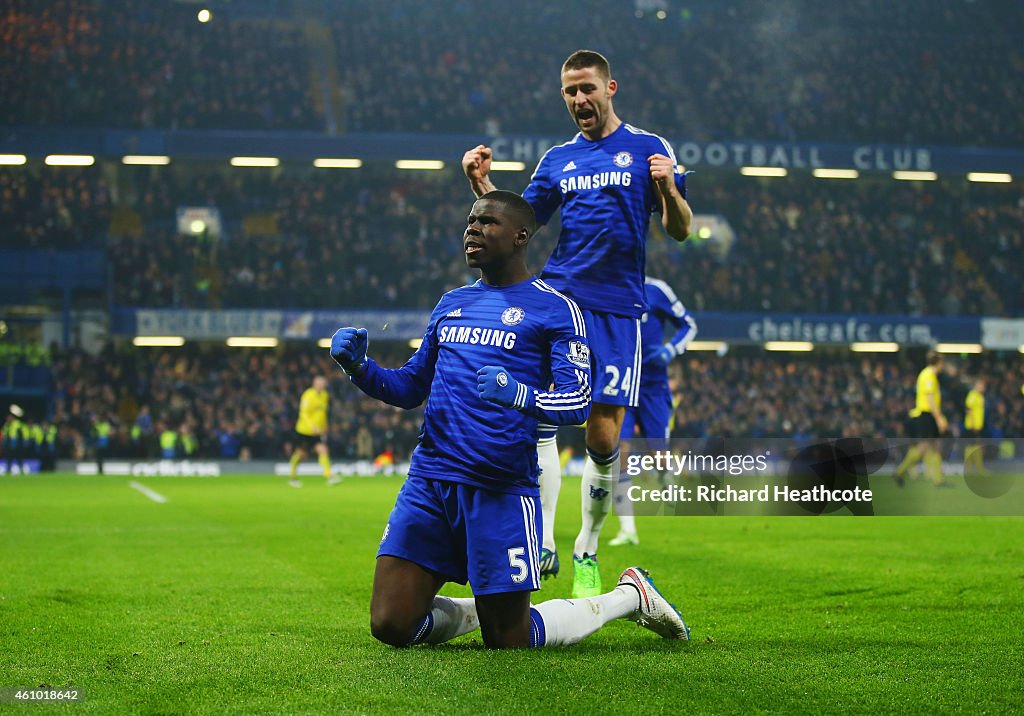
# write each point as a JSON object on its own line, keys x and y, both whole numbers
{"x": 866, "y": 70}
{"x": 341, "y": 240}
{"x": 51, "y": 208}
{"x": 149, "y": 63}
{"x": 394, "y": 241}
{"x": 243, "y": 403}
{"x": 234, "y": 403}
{"x": 753, "y": 394}
{"x": 377, "y": 238}
{"x": 803, "y": 245}
{"x": 804, "y": 70}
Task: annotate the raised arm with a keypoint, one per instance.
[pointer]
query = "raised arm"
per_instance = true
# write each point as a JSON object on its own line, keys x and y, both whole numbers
{"x": 404, "y": 387}
{"x": 476, "y": 163}
{"x": 676, "y": 214}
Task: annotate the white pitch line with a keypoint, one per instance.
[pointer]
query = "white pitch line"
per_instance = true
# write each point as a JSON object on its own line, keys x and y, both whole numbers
{"x": 154, "y": 496}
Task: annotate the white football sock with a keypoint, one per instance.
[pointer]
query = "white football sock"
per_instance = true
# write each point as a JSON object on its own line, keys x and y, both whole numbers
{"x": 449, "y": 617}
{"x": 599, "y": 478}
{"x": 550, "y": 486}
{"x": 623, "y": 505}
{"x": 567, "y": 621}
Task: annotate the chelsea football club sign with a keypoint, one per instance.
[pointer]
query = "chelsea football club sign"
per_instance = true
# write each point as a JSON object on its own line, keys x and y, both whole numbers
{"x": 386, "y": 146}
{"x": 867, "y": 157}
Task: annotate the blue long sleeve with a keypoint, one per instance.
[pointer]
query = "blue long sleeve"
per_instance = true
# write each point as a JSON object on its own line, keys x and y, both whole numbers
{"x": 568, "y": 403}
{"x": 686, "y": 333}
{"x": 404, "y": 387}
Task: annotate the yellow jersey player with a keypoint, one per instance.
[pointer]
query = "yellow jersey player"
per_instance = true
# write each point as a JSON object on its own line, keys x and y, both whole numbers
{"x": 311, "y": 431}
{"x": 926, "y": 423}
{"x": 974, "y": 424}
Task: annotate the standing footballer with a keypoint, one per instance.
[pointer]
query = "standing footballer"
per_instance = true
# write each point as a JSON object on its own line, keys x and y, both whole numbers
{"x": 607, "y": 180}
{"x": 311, "y": 432}
{"x": 651, "y": 420}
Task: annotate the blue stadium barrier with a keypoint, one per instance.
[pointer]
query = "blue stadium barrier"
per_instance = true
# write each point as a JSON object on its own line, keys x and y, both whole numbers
{"x": 34, "y": 269}
{"x": 825, "y": 329}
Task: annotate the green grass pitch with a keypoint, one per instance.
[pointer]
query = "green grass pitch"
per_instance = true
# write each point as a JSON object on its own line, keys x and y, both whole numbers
{"x": 240, "y": 595}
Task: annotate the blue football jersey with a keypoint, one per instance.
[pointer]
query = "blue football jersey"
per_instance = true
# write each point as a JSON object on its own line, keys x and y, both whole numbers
{"x": 606, "y": 195}
{"x": 537, "y": 334}
{"x": 663, "y": 307}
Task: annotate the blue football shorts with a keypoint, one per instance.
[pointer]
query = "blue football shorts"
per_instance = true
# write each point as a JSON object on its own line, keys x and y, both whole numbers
{"x": 651, "y": 418}
{"x": 615, "y": 357}
{"x": 467, "y": 533}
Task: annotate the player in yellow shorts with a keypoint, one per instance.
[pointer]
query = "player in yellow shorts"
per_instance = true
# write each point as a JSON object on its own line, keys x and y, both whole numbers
{"x": 926, "y": 423}
{"x": 974, "y": 424}
{"x": 311, "y": 431}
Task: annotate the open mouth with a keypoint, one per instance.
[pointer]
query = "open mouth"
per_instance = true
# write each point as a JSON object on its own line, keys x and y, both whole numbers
{"x": 472, "y": 247}
{"x": 584, "y": 114}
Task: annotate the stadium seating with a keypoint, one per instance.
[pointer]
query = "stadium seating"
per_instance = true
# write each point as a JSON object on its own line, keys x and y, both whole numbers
{"x": 240, "y": 400}
{"x": 382, "y": 239}
{"x": 150, "y": 64}
{"x": 53, "y": 209}
{"x": 394, "y": 241}
{"x": 248, "y": 399}
{"x": 867, "y": 71}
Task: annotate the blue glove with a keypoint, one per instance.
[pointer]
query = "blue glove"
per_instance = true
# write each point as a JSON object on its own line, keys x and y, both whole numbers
{"x": 348, "y": 349}
{"x": 497, "y": 386}
{"x": 664, "y": 355}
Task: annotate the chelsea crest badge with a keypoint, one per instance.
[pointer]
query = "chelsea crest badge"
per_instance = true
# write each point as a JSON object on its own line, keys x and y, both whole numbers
{"x": 513, "y": 316}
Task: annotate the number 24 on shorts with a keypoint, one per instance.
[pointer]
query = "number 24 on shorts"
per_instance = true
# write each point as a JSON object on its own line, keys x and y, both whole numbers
{"x": 613, "y": 387}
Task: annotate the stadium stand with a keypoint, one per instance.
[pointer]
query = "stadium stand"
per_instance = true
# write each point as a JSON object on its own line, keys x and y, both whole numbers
{"x": 52, "y": 209}
{"x": 874, "y": 247}
{"x": 866, "y": 71}
{"x": 242, "y": 403}
{"x": 150, "y": 64}
{"x": 707, "y": 71}
{"x": 378, "y": 238}
{"x": 753, "y": 394}
{"x": 292, "y": 239}
{"x": 801, "y": 245}
{"x": 236, "y": 403}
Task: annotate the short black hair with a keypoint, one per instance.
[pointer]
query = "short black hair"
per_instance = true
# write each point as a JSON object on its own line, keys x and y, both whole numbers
{"x": 514, "y": 205}
{"x": 588, "y": 58}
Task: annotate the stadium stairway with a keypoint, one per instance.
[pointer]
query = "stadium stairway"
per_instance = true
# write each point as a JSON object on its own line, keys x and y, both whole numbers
{"x": 324, "y": 78}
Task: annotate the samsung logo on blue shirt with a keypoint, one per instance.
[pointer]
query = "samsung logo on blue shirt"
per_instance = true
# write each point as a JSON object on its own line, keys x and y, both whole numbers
{"x": 477, "y": 336}
{"x": 598, "y": 180}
